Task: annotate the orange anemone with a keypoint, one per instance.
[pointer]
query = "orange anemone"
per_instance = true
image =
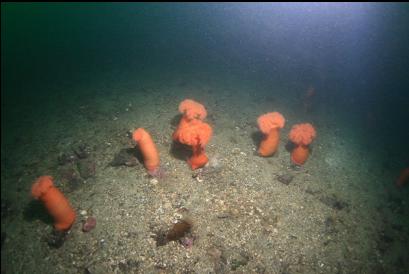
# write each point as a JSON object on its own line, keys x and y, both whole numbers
{"x": 148, "y": 149}
{"x": 55, "y": 202}
{"x": 301, "y": 135}
{"x": 195, "y": 134}
{"x": 270, "y": 125}
{"x": 190, "y": 110}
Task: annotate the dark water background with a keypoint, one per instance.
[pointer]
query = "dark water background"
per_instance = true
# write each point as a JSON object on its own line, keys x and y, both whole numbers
{"x": 356, "y": 55}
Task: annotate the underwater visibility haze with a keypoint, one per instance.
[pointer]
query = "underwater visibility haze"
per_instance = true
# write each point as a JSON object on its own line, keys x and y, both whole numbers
{"x": 204, "y": 138}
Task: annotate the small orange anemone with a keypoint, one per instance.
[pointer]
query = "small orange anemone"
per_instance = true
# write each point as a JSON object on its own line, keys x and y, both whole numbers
{"x": 270, "y": 125}
{"x": 301, "y": 135}
{"x": 57, "y": 205}
{"x": 148, "y": 149}
{"x": 195, "y": 134}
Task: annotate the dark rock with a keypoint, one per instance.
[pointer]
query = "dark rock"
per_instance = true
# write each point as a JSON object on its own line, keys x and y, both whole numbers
{"x": 125, "y": 157}
{"x": 71, "y": 177}
{"x": 285, "y": 178}
{"x": 86, "y": 168}
{"x": 238, "y": 260}
{"x": 65, "y": 158}
{"x": 56, "y": 239}
{"x": 130, "y": 266}
{"x": 81, "y": 151}
{"x": 333, "y": 202}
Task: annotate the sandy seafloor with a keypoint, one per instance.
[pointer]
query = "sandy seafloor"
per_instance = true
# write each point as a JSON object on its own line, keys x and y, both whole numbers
{"x": 340, "y": 214}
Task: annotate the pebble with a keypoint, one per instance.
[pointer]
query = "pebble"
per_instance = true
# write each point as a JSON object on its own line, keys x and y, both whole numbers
{"x": 83, "y": 212}
{"x": 177, "y": 217}
{"x": 236, "y": 150}
{"x": 154, "y": 181}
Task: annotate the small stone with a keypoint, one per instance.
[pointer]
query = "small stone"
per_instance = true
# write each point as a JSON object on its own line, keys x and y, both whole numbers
{"x": 154, "y": 181}
{"x": 285, "y": 178}
{"x": 223, "y": 215}
{"x": 56, "y": 239}
{"x": 236, "y": 150}
{"x": 86, "y": 168}
{"x": 83, "y": 212}
{"x": 89, "y": 224}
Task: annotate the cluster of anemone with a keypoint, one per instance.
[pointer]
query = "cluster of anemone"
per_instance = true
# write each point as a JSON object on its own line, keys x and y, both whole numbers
{"x": 301, "y": 135}
{"x": 192, "y": 131}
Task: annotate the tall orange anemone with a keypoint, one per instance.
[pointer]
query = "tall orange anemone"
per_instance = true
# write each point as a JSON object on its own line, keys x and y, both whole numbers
{"x": 148, "y": 149}
{"x": 270, "y": 125}
{"x": 403, "y": 178}
{"x": 190, "y": 110}
{"x": 301, "y": 135}
{"x": 195, "y": 134}
{"x": 57, "y": 205}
